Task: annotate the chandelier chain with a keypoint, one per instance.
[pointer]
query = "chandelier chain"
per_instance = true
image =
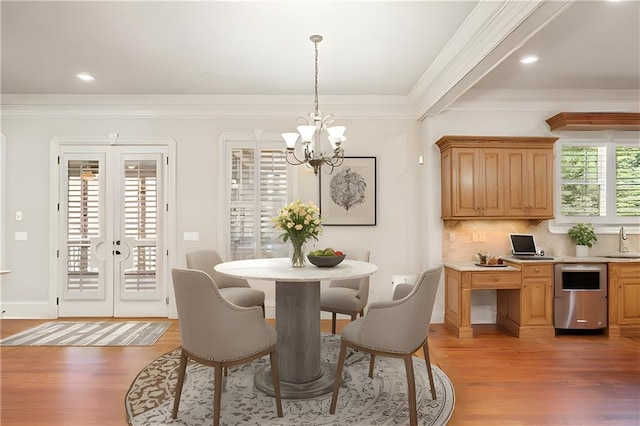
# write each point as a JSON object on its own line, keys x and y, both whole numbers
{"x": 315, "y": 43}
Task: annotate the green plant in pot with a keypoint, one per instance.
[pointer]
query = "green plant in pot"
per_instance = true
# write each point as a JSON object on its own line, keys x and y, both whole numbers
{"x": 583, "y": 235}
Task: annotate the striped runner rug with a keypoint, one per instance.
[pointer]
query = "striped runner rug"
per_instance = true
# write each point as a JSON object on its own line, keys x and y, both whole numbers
{"x": 106, "y": 333}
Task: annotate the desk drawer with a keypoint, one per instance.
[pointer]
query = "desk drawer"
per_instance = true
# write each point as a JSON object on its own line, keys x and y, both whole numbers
{"x": 495, "y": 280}
{"x": 536, "y": 271}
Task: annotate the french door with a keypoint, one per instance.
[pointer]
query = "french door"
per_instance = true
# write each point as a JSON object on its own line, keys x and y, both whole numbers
{"x": 112, "y": 209}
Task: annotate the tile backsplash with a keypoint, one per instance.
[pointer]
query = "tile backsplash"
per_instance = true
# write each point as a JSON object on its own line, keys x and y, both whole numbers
{"x": 462, "y": 240}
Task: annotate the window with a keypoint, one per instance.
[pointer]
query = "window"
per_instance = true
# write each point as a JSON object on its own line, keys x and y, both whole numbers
{"x": 257, "y": 187}
{"x": 599, "y": 182}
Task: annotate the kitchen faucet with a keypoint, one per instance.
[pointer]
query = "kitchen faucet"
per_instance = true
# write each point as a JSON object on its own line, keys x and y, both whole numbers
{"x": 623, "y": 240}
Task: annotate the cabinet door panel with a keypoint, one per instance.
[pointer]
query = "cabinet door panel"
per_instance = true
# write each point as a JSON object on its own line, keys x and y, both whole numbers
{"x": 465, "y": 181}
{"x": 515, "y": 204}
{"x": 490, "y": 188}
{"x": 540, "y": 184}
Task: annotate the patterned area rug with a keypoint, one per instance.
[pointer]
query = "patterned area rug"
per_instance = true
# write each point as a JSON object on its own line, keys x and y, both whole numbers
{"x": 107, "y": 333}
{"x": 362, "y": 401}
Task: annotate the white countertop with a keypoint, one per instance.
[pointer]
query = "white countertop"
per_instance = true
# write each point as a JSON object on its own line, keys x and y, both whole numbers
{"x": 280, "y": 269}
{"x": 470, "y": 265}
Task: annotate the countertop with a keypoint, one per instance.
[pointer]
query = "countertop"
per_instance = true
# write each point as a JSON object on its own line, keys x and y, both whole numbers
{"x": 470, "y": 265}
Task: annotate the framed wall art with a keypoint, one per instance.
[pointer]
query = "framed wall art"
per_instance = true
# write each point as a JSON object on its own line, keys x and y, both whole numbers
{"x": 348, "y": 195}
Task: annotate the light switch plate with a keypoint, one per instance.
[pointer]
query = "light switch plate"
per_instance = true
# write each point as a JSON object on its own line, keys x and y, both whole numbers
{"x": 192, "y": 236}
{"x": 21, "y": 236}
{"x": 18, "y": 215}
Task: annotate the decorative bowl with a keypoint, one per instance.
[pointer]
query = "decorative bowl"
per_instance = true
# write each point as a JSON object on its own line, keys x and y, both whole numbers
{"x": 326, "y": 261}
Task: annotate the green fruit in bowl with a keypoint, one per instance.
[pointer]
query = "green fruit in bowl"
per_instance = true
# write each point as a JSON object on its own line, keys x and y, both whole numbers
{"x": 329, "y": 252}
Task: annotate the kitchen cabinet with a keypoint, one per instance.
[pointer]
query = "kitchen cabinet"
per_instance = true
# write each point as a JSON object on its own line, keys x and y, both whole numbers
{"x": 476, "y": 182}
{"x": 496, "y": 177}
{"x": 524, "y": 297}
{"x": 624, "y": 299}
{"x": 529, "y": 183}
{"x": 528, "y": 312}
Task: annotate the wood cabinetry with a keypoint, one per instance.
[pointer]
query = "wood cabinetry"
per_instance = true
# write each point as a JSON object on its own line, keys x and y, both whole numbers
{"x": 476, "y": 182}
{"x": 624, "y": 299}
{"x": 528, "y": 312}
{"x": 529, "y": 183}
{"x": 496, "y": 177}
{"x": 524, "y": 298}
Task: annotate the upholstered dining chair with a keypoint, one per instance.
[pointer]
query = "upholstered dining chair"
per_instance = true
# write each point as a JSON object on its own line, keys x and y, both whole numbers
{"x": 397, "y": 329}
{"x": 348, "y": 297}
{"x": 235, "y": 290}
{"x": 218, "y": 333}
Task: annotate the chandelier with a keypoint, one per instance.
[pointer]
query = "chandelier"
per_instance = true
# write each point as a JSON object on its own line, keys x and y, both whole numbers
{"x": 312, "y": 129}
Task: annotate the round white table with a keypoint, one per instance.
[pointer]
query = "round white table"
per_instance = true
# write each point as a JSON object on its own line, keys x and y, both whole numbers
{"x": 302, "y": 375}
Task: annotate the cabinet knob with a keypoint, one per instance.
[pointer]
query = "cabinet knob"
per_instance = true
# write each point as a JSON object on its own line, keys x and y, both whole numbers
{"x": 537, "y": 270}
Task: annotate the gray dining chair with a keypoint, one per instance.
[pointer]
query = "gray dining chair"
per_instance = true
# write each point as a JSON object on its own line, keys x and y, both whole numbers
{"x": 218, "y": 333}
{"x": 397, "y": 329}
{"x": 348, "y": 297}
{"x": 235, "y": 290}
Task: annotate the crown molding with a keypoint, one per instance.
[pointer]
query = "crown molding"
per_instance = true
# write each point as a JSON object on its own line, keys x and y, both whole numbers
{"x": 491, "y": 32}
{"x": 548, "y": 100}
{"x": 201, "y": 106}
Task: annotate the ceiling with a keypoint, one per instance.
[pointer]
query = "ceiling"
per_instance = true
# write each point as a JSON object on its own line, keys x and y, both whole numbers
{"x": 262, "y": 47}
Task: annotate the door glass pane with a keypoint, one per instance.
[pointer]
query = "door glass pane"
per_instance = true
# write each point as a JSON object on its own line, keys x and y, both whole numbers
{"x": 83, "y": 224}
{"x": 141, "y": 224}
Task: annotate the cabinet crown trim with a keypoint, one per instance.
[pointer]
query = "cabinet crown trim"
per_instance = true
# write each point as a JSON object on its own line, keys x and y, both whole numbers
{"x": 588, "y": 121}
{"x": 457, "y": 141}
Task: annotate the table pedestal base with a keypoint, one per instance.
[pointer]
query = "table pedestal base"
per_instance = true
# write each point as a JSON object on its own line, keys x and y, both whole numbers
{"x": 288, "y": 390}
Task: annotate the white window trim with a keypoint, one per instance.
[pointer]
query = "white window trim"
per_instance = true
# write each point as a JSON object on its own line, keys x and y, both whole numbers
{"x": 225, "y": 139}
{"x": 561, "y": 224}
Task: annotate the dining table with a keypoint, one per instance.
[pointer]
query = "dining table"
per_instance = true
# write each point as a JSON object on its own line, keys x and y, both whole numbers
{"x": 302, "y": 374}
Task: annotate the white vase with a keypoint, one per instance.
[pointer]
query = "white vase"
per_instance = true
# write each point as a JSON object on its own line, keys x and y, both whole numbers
{"x": 582, "y": 251}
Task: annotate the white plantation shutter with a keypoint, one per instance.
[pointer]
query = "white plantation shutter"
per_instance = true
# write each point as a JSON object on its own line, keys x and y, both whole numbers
{"x": 258, "y": 188}
{"x": 599, "y": 182}
{"x": 141, "y": 224}
{"x": 83, "y": 224}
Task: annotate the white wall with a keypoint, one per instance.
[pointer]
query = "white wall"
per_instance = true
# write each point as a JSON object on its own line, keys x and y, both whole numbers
{"x": 408, "y": 235}
{"x": 394, "y": 242}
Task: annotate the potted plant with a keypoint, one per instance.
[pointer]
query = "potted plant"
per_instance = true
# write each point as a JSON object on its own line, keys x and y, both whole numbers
{"x": 583, "y": 235}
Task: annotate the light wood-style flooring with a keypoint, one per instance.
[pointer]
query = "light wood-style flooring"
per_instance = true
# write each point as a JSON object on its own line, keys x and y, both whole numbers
{"x": 498, "y": 378}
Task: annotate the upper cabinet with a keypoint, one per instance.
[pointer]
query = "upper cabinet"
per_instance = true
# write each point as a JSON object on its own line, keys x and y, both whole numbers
{"x": 496, "y": 177}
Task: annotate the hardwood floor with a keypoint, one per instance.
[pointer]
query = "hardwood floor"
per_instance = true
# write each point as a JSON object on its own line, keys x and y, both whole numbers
{"x": 498, "y": 379}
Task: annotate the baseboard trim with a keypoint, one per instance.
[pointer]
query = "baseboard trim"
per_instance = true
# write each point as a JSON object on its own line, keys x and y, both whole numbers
{"x": 26, "y": 310}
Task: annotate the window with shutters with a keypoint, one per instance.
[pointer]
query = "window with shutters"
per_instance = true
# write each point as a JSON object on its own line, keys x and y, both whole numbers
{"x": 599, "y": 182}
{"x": 257, "y": 182}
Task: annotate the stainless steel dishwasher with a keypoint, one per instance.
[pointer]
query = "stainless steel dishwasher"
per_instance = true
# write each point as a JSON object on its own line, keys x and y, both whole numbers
{"x": 580, "y": 297}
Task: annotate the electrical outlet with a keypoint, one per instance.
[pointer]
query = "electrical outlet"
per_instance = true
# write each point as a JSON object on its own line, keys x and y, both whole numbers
{"x": 18, "y": 215}
{"x": 452, "y": 236}
{"x": 474, "y": 237}
{"x": 483, "y": 238}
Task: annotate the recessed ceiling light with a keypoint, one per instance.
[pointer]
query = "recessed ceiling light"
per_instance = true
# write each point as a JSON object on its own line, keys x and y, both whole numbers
{"x": 85, "y": 76}
{"x": 529, "y": 59}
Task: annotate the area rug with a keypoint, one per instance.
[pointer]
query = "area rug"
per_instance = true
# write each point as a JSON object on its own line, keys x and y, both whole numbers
{"x": 105, "y": 333}
{"x": 362, "y": 401}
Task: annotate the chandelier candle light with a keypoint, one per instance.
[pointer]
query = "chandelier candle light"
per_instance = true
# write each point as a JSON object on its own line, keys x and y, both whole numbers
{"x": 311, "y": 130}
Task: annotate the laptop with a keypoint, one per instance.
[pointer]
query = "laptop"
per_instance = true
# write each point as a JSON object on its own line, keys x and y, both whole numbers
{"x": 523, "y": 246}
